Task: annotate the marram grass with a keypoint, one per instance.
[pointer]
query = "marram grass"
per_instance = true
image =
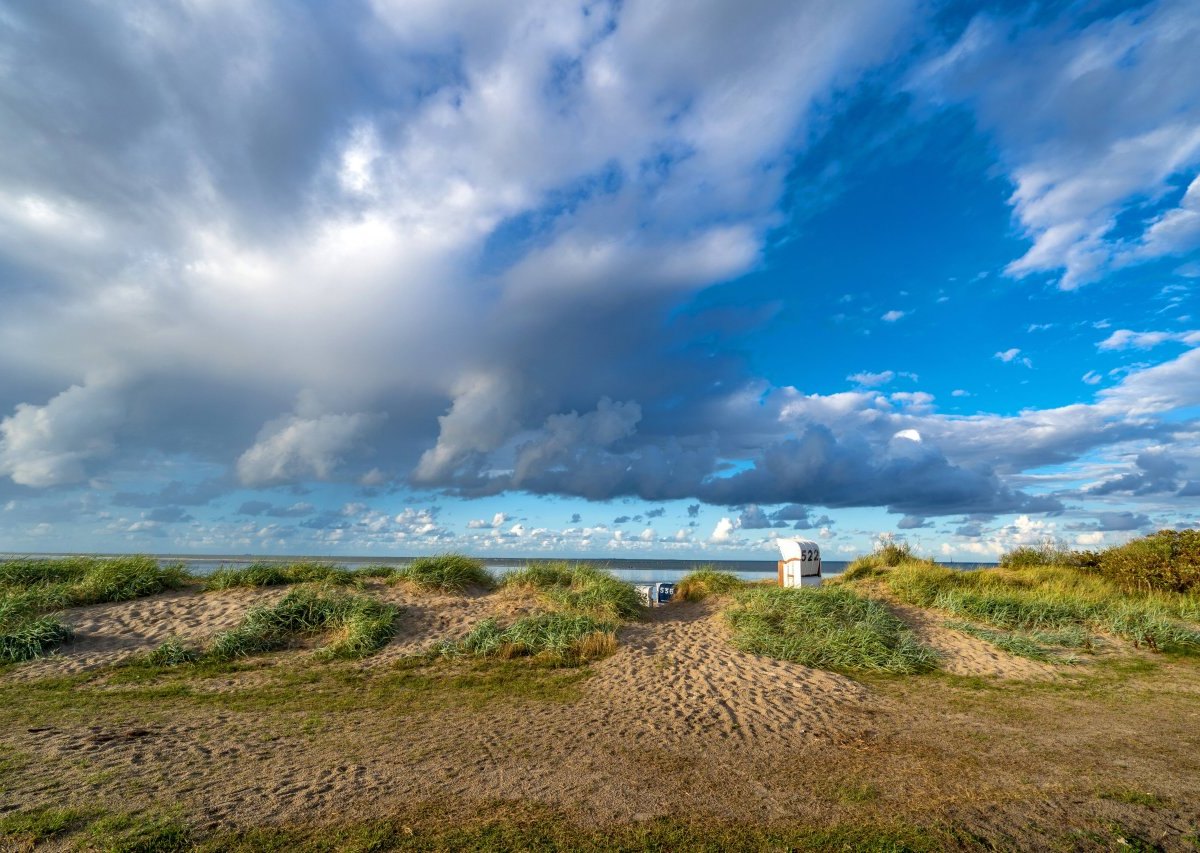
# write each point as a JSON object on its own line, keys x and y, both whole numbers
{"x": 277, "y": 574}
{"x": 579, "y": 589}
{"x": 445, "y": 573}
{"x": 826, "y": 628}
{"x": 554, "y": 638}
{"x": 30, "y": 588}
{"x": 706, "y": 581}
{"x": 359, "y": 626}
{"x": 26, "y": 639}
{"x": 1050, "y": 599}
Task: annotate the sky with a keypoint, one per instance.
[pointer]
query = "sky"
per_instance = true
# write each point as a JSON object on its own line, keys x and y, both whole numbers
{"x": 610, "y": 279}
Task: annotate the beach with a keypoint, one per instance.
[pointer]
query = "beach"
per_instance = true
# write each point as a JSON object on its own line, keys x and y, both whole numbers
{"x": 676, "y": 735}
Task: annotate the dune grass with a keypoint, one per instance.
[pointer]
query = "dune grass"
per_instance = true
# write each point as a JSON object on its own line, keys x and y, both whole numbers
{"x": 580, "y": 589}
{"x": 31, "y": 588}
{"x": 278, "y": 574}
{"x": 27, "y": 637}
{"x": 706, "y": 581}
{"x": 1050, "y": 598}
{"x": 829, "y": 627}
{"x": 50, "y": 584}
{"x": 556, "y": 638}
{"x": 445, "y": 573}
{"x": 358, "y": 627}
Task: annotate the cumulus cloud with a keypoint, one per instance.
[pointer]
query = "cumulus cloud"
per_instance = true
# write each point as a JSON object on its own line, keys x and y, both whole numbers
{"x": 468, "y": 303}
{"x": 52, "y": 444}
{"x": 295, "y": 447}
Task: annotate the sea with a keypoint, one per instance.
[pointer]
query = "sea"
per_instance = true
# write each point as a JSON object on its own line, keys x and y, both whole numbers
{"x": 634, "y": 571}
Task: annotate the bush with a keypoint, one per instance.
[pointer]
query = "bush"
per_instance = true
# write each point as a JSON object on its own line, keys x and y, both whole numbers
{"x": 1167, "y": 561}
{"x": 581, "y": 588}
{"x": 706, "y": 581}
{"x": 446, "y": 572}
{"x": 827, "y": 628}
{"x": 555, "y": 638}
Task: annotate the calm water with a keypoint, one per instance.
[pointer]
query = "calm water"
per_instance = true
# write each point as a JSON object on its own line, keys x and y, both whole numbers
{"x": 635, "y": 571}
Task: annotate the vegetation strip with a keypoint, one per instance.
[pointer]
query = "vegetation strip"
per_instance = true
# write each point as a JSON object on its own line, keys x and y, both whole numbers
{"x": 581, "y": 588}
{"x": 31, "y": 588}
{"x": 556, "y": 638}
{"x": 828, "y": 628}
{"x": 360, "y": 625}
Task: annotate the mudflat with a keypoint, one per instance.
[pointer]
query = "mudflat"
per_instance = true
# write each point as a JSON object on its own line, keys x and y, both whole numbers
{"x": 677, "y": 740}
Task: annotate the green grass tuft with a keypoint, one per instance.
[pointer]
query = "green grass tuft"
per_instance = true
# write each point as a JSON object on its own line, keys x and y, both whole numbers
{"x": 555, "y": 638}
{"x": 171, "y": 653}
{"x": 706, "y": 581}
{"x": 360, "y": 626}
{"x": 446, "y": 573}
{"x": 51, "y": 584}
{"x": 828, "y": 628}
{"x": 26, "y": 639}
{"x": 581, "y": 589}
{"x": 1015, "y": 644}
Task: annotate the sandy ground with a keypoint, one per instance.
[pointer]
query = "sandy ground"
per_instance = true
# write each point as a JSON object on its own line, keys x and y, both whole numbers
{"x": 675, "y": 721}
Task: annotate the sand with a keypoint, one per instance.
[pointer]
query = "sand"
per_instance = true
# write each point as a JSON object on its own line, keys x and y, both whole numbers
{"x": 676, "y": 721}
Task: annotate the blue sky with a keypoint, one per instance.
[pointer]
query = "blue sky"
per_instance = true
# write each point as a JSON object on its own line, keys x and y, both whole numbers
{"x": 600, "y": 279}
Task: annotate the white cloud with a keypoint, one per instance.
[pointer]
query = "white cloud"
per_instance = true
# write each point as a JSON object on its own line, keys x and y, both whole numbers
{"x": 50, "y": 445}
{"x": 1123, "y": 339}
{"x": 893, "y": 315}
{"x": 722, "y": 532}
{"x": 872, "y": 379}
{"x": 1089, "y": 122}
{"x": 298, "y": 446}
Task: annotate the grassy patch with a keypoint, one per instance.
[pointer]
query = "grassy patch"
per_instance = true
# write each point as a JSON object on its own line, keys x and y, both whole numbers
{"x": 1048, "y": 599}
{"x": 556, "y": 638}
{"x": 145, "y": 832}
{"x": 38, "y": 826}
{"x": 522, "y": 828}
{"x": 26, "y": 637}
{"x": 359, "y": 626}
{"x": 581, "y": 589}
{"x": 706, "y": 581}
{"x": 1015, "y": 644}
{"x": 446, "y": 573}
{"x": 1132, "y": 797}
{"x": 278, "y": 574}
{"x": 50, "y": 584}
{"x": 827, "y": 628}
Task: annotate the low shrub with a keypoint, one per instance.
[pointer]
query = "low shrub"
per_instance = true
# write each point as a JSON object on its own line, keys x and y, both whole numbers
{"x": 828, "y": 628}
{"x": 1165, "y": 561}
{"x": 706, "y": 581}
{"x": 445, "y": 572}
{"x": 556, "y": 638}
{"x": 580, "y": 588}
